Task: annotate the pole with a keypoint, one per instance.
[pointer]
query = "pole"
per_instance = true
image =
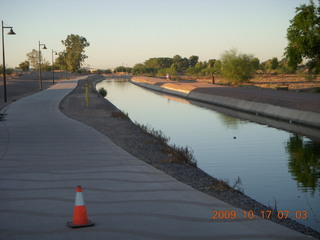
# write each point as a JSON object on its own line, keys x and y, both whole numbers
{"x": 52, "y": 68}
{"x": 4, "y": 67}
{"x": 65, "y": 62}
{"x": 40, "y": 76}
{"x": 87, "y": 93}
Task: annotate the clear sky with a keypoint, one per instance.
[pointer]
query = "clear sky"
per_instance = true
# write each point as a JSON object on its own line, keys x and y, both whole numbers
{"x": 126, "y": 32}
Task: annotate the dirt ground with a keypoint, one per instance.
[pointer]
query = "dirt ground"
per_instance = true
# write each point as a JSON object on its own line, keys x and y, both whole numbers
{"x": 304, "y": 101}
{"x": 22, "y": 84}
{"x": 293, "y": 82}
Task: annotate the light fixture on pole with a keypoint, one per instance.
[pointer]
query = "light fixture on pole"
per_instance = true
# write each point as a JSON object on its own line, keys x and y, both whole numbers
{"x": 52, "y": 65}
{"x": 11, "y": 32}
{"x": 40, "y": 74}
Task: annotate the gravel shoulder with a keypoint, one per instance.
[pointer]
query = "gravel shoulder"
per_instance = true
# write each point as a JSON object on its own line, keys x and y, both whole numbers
{"x": 106, "y": 118}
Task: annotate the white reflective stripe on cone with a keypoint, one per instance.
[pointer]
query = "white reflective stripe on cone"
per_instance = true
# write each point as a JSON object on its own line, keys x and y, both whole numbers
{"x": 79, "y": 199}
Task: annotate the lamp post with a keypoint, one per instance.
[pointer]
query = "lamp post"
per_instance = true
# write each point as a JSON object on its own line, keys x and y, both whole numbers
{"x": 40, "y": 75}
{"x": 65, "y": 62}
{"x": 11, "y": 32}
{"x": 52, "y": 65}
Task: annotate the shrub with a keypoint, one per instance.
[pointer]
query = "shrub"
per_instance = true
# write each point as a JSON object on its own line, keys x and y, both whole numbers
{"x": 102, "y": 92}
{"x": 236, "y": 67}
{"x": 164, "y": 71}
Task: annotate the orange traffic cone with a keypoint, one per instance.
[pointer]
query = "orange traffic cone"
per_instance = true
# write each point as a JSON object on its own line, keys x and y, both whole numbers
{"x": 80, "y": 217}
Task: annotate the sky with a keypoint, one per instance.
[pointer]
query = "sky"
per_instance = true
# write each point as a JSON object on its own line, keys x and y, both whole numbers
{"x": 126, "y": 32}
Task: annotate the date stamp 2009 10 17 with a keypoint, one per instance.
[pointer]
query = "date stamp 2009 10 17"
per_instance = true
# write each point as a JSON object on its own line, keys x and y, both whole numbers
{"x": 263, "y": 214}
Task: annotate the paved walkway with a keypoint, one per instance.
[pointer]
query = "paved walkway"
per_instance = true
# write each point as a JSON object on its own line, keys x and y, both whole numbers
{"x": 44, "y": 155}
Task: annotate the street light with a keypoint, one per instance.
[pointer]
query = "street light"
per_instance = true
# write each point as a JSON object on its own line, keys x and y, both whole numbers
{"x": 40, "y": 75}
{"x": 52, "y": 65}
{"x": 11, "y": 32}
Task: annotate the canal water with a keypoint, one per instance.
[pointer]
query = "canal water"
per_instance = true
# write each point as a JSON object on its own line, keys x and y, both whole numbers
{"x": 277, "y": 168}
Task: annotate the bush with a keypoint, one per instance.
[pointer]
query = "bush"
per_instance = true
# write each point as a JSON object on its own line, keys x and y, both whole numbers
{"x": 164, "y": 71}
{"x": 102, "y": 92}
{"x": 236, "y": 67}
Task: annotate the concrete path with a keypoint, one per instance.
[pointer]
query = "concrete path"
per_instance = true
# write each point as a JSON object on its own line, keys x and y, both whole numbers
{"x": 44, "y": 155}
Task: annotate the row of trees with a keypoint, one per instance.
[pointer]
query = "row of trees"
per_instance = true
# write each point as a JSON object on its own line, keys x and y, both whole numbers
{"x": 233, "y": 65}
{"x": 303, "y": 37}
{"x": 70, "y": 59}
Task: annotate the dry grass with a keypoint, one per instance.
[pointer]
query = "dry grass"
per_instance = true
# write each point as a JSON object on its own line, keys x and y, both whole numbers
{"x": 176, "y": 153}
{"x": 180, "y": 155}
{"x": 120, "y": 114}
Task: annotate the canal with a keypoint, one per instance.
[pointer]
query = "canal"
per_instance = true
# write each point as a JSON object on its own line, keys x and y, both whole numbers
{"x": 277, "y": 168}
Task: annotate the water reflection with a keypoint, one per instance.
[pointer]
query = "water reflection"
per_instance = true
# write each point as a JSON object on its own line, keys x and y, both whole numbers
{"x": 172, "y": 98}
{"x": 269, "y": 161}
{"x": 231, "y": 122}
{"x": 304, "y": 162}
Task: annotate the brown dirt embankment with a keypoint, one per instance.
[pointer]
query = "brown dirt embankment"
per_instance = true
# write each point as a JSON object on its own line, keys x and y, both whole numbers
{"x": 303, "y": 101}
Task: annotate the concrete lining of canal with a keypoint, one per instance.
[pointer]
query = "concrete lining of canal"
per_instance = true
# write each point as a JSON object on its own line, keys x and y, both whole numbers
{"x": 307, "y": 118}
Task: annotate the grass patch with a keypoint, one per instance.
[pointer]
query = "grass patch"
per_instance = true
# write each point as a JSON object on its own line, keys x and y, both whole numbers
{"x": 181, "y": 155}
{"x": 154, "y": 132}
{"x": 224, "y": 185}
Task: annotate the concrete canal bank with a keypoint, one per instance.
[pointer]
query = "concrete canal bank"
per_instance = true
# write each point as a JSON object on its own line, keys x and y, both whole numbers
{"x": 291, "y": 107}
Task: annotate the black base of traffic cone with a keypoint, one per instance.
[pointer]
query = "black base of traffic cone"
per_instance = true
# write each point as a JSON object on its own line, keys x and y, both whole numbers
{"x": 70, "y": 224}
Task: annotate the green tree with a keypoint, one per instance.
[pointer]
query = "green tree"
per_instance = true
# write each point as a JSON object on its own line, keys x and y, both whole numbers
{"x": 304, "y": 162}
{"x": 303, "y": 37}
{"x": 61, "y": 61}
{"x": 179, "y": 64}
{"x": 196, "y": 69}
{"x": 255, "y": 63}
{"x": 161, "y": 62}
{"x": 237, "y": 67}
{"x": 164, "y": 71}
{"x": 211, "y": 63}
{"x": 120, "y": 69}
{"x": 46, "y": 66}
{"x": 33, "y": 58}
{"x": 24, "y": 66}
{"x": 272, "y": 64}
{"x": 176, "y": 59}
{"x": 193, "y": 60}
{"x": 165, "y": 62}
{"x": 184, "y": 63}
{"x": 217, "y": 66}
{"x": 152, "y": 63}
{"x": 138, "y": 68}
{"x": 74, "y": 55}
{"x": 284, "y": 67}
{"x": 9, "y": 71}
